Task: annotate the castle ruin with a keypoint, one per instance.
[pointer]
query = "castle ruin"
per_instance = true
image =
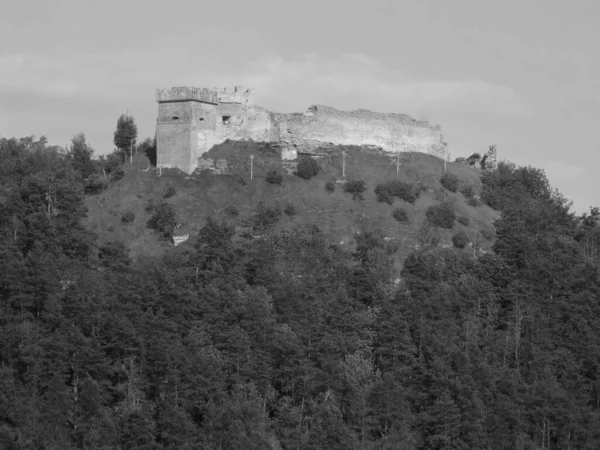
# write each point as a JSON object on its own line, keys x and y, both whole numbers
{"x": 192, "y": 120}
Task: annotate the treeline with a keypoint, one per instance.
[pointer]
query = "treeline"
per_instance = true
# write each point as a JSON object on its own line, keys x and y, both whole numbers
{"x": 241, "y": 342}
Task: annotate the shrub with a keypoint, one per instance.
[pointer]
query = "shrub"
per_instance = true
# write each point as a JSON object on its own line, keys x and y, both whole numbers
{"x": 460, "y": 239}
{"x": 384, "y": 195}
{"x": 463, "y": 220}
{"x": 94, "y": 184}
{"x": 232, "y": 211}
{"x": 356, "y": 188}
{"x": 290, "y": 210}
{"x": 473, "y": 202}
{"x": 128, "y": 217}
{"x": 170, "y": 191}
{"x": 307, "y": 168}
{"x": 117, "y": 174}
{"x": 391, "y": 248}
{"x": 487, "y": 232}
{"x": 330, "y": 186}
{"x": 112, "y": 162}
{"x": 468, "y": 191}
{"x": 441, "y": 215}
{"x": 449, "y": 181}
{"x": 400, "y": 215}
{"x": 274, "y": 177}
{"x": 163, "y": 219}
{"x": 266, "y": 215}
{"x": 387, "y": 191}
{"x": 149, "y": 208}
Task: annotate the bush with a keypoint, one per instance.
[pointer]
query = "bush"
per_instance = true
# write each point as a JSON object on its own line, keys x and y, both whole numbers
{"x": 391, "y": 248}
{"x": 170, "y": 191}
{"x": 449, "y": 181}
{"x": 128, "y": 217}
{"x": 307, "y": 168}
{"x": 356, "y": 188}
{"x": 468, "y": 191}
{"x": 463, "y": 220}
{"x": 473, "y": 202}
{"x": 383, "y": 195}
{"x": 232, "y": 211}
{"x": 266, "y": 215}
{"x": 487, "y": 232}
{"x": 460, "y": 239}
{"x": 442, "y": 215}
{"x": 274, "y": 177}
{"x": 330, "y": 186}
{"x": 290, "y": 210}
{"x": 163, "y": 219}
{"x": 387, "y": 191}
{"x": 94, "y": 184}
{"x": 117, "y": 174}
{"x": 149, "y": 208}
{"x": 400, "y": 215}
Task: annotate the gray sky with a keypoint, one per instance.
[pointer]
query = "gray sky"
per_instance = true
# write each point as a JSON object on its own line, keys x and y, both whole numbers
{"x": 521, "y": 74}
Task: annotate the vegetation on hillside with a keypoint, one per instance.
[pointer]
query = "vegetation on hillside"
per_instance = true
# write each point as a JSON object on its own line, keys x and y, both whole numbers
{"x": 238, "y": 341}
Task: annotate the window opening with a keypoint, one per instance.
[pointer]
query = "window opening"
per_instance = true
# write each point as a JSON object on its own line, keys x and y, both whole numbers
{"x": 226, "y": 120}
{"x": 201, "y": 119}
{"x": 175, "y": 117}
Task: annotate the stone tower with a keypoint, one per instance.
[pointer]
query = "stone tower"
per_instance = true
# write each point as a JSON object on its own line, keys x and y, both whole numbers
{"x": 192, "y": 120}
{"x": 187, "y": 118}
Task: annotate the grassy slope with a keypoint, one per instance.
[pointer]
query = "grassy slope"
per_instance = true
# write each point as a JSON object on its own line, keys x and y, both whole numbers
{"x": 200, "y": 195}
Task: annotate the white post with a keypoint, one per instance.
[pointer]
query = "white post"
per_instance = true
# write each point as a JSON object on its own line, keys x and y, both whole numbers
{"x": 251, "y": 166}
{"x": 160, "y": 171}
{"x": 397, "y": 163}
{"x": 131, "y": 152}
{"x": 344, "y": 163}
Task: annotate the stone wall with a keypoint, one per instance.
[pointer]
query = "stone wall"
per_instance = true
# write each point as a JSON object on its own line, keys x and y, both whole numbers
{"x": 392, "y": 132}
{"x": 173, "y": 135}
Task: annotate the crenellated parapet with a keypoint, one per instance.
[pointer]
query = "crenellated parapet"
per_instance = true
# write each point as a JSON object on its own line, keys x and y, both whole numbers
{"x": 235, "y": 94}
{"x": 187, "y": 93}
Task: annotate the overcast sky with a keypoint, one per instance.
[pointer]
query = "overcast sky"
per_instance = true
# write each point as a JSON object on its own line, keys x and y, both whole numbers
{"x": 521, "y": 74}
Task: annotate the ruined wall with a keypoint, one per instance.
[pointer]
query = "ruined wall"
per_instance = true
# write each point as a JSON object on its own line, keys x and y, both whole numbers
{"x": 186, "y": 129}
{"x": 392, "y": 132}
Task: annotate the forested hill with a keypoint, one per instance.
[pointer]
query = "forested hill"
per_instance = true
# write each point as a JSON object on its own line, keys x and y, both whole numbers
{"x": 286, "y": 341}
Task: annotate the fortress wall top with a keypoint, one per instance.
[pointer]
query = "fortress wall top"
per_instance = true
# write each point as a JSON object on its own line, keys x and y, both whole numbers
{"x": 183, "y": 93}
{"x": 235, "y": 94}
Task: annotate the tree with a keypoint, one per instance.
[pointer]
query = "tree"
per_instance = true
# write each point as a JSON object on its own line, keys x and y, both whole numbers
{"x": 80, "y": 154}
{"x": 125, "y": 134}
{"x": 307, "y": 167}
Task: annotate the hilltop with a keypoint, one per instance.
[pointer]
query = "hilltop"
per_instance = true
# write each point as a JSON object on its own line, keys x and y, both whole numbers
{"x": 222, "y": 188}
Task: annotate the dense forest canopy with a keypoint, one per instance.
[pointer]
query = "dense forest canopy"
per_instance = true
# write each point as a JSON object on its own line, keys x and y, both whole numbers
{"x": 288, "y": 341}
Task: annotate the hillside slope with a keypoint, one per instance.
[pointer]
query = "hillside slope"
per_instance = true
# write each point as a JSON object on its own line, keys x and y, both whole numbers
{"x": 203, "y": 194}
